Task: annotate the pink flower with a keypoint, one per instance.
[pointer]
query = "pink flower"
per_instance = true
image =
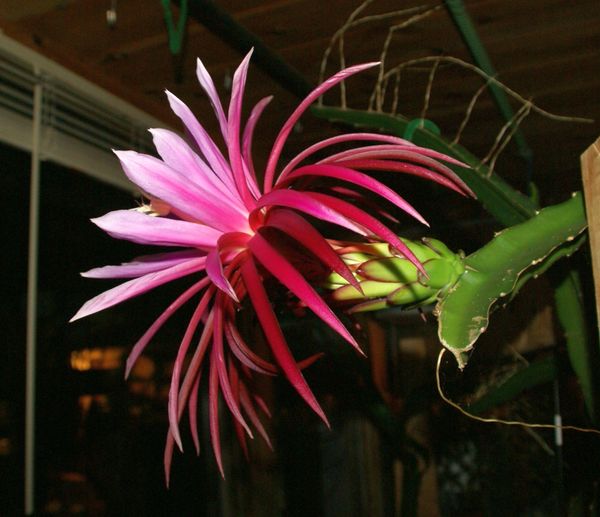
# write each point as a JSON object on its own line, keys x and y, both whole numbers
{"x": 231, "y": 235}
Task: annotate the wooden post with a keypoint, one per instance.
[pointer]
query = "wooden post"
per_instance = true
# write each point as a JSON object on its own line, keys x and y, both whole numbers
{"x": 590, "y": 171}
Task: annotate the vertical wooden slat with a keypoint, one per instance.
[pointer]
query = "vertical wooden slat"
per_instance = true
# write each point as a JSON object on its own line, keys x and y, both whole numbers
{"x": 590, "y": 171}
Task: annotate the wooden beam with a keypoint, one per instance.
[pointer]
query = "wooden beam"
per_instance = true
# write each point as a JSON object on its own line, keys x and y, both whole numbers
{"x": 590, "y": 171}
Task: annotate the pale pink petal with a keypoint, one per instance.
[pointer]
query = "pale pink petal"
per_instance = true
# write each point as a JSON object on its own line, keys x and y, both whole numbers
{"x": 142, "y": 228}
{"x": 208, "y": 86}
{"x": 204, "y": 142}
{"x": 159, "y": 180}
{"x": 138, "y": 286}
{"x": 234, "y": 128}
{"x": 176, "y": 153}
{"x": 142, "y": 265}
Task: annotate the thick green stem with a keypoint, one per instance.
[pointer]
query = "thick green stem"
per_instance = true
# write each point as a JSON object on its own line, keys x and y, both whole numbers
{"x": 494, "y": 271}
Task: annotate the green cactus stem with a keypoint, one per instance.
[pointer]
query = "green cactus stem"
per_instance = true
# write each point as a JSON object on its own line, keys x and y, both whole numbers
{"x": 501, "y": 266}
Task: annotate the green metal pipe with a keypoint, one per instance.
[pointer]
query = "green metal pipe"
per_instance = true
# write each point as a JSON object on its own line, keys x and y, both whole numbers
{"x": 467, "y": 30}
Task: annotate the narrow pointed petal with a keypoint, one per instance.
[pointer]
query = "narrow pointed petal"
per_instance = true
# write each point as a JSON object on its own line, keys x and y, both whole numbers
{"x": 159, "y": 231}
{"x": 204, "y": 142}
{"x": 138, "y": 286}
{"x": 214, "y": 270}
{"x": 244, "y": 354}
{"x": 251, "y": 412}
{"x": 274, "y": 335}
{"x": 281, "y": 269}
{"x": 173, "y": 410}
{"x": 228, "y": 244}
{"x": 142, "y": 265}
{"x": 309, "y": 205}
{"x": 408, "y": 168}
{"x": 357, "y": 178}
{"x": 303, "y": 106}
{"x": 177, "y": 153}
{"x": 234, "y": 128}
{"x": 350, "y": 137}
{"x": 159, "y": 180}
{"x": 213, "y": 416}
{"x": 247, "y": 141}
{"x": 235, "y": 388}
{"x": 299, "y": 229}
{"x": 379, "y": 230}
{"x": 193, "y": 412}
{"x": 208, "y": 86}
{"x": 140, "y": 345}
{"x": 218, "y": 362}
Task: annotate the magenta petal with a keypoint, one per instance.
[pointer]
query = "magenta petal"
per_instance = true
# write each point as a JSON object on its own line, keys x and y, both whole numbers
{"x": 218, "y": 362}
{"x": 235, "y": 388}
{"x": 251, "y": 412}
{"x": 214, "y": 270}
{"x": 409, "y": 168}
{"x": 193, "y": 412}
{"x": 281, "y": 269}
{"x": 138, "y": 286}
{"x": 247, "y": 140}
{"x": 178, "y": 365}
{"x": 244, "y": 353}
{"x": 213, "y": 416}
{"x": 140, "y": 345}
{"x": 379, "y": 230}
{"x": 274, "y": 335}
{"x": 350, "y": 137}
{"x": 357, "y": 178}
{"x": 307, "y": 204}
{"x": 299, "y": 229}
{"x": 302, "y": 107}
{"x": 137, "y": 227}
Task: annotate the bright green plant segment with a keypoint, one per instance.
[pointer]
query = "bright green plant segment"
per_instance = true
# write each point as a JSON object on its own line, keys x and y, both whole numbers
{"x": 494, "y": 271}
